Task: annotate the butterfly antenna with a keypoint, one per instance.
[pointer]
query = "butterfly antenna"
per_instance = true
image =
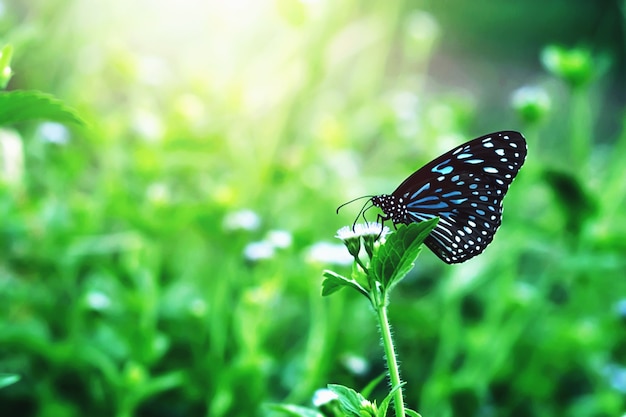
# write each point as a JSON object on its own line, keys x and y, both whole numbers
{"x": 364, "y": 209}
{"x": 352, "y": 201}
{"x": 362, "y": 213}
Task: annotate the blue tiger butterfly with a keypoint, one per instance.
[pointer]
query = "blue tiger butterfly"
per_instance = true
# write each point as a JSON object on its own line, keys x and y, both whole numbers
{"x": 464, "y": 188}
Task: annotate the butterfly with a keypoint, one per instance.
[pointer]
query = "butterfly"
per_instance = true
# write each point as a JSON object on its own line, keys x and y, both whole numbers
{"x": 464, "y": 188}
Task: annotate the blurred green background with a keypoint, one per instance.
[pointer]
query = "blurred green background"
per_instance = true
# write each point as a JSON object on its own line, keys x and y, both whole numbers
{"x": 166, "y": 261}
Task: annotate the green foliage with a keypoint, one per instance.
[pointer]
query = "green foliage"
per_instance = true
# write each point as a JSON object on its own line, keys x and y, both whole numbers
{"x": 577, "y": 204}
{"x": 294, "y": 410}
{"x": 140, "y": 274}
{"x": 387, "y": 263}
{"x": 577, "y": 66}
{"x": 5, "y": 65}
{"x": 334, "y": 282}
{"x": 352, "y": 403}
{"x": 397, "y": 256}
{"x": 21, "y": 106}
{"x": 369, "y": 388}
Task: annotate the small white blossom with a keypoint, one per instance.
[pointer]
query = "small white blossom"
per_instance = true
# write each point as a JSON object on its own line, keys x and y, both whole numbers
{"x": 532, "y": 101}
{"x": 148, "y": 125}
{"x": 98, "y": 300}
{"x": 11, "y": 156}
{"x": 281, "y": 239}
{"x": 257, "y": 251}
{"x": 358, "y": 365}
{"x": 617, "y": 376}
{"x": 242, "y": 220}
{"x": 323, "y": 396}
{"x": 329, "y": 253}
{"x": 54, "y": 132}
{"x": 158, "y": 193}
{"x": 359, "y": 230}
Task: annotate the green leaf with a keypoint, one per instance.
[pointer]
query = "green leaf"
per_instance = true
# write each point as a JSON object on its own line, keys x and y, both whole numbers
{"x": 294, "y": 410}
{"x": 577, "y": 66}
{"x": 576, "y": 202}
{"x": 19, "y": 106}
{"x": 382, "y": 409}
{"x": 8, "y": 379}
{"x": 369, "y": 388}
{"x": 334, "y": 282}
{"x": 411, "y": 413}
{"x": 349, "y": 399}
{"x": 5, "y": 65}
{"x": 395, "y": 258}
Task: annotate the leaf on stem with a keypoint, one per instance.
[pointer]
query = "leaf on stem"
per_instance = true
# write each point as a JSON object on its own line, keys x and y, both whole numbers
{"x": 333, "y": 282}
{"x": 369, "y": 388}
{"x": 382, "y": 409}
{"x": 19, "y": 106}
{"x": 352, "y": 403}
{"x": 396, "y": 257}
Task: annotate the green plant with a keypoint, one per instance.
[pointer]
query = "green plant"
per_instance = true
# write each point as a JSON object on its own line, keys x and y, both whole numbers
{"x": 20, "y": 106}
{"x": 379, "y": 265}
{"x": 122, "y": 292}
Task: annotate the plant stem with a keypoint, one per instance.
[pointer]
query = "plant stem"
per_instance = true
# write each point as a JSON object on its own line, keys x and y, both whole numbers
{"x": 362, "y": 265}
{"x": 581, "y": 125}
{"x": 390, "y": 353}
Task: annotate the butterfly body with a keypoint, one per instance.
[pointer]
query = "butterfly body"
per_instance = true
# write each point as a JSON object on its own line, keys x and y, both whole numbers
{"x": 464, "y": 188}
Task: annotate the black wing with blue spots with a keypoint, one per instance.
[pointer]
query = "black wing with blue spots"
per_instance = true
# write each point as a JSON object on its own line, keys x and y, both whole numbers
{"x": 464, "y": 188}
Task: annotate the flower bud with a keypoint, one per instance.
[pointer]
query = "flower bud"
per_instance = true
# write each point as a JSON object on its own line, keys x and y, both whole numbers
{"x": 531, "y": 103}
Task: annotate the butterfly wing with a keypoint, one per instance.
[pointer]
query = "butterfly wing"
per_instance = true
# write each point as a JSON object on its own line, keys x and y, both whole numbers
{"x": 465, "y": 188}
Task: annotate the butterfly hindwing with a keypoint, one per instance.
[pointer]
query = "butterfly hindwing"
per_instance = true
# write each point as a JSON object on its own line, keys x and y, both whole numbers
{"x": 464, "y": 188}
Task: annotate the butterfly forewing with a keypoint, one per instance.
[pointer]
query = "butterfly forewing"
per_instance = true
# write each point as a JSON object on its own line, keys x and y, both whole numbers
{"x": 464, "y": 188}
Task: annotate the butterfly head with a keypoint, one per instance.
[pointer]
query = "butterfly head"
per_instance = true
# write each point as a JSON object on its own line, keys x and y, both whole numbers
{"x": 393, "y": 207}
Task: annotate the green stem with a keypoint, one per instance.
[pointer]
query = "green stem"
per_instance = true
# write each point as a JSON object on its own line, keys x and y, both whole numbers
{"x": 390, "y": 353}
{"x": 362, "y": 265}
{"x": 581, "y": 128}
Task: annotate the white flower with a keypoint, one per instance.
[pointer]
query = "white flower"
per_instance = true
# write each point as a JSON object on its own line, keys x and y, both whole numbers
{"x": 617, "y": 376}
{"x": 158, "y": 193}
{"x": 530, "y": 93}
{"x": 358, "y": 365}
{"x": 280, "y": 239}
{"x": 323, "y": 396}
{"x": 360, "y": 230}
{"x": 98, "y": 300}
{"x": 242, "y": 220}
{"x": 11, "y": 156}
{"x": 54, "y": 132}
{"x": 148, "y": 125}
{"x": 329, "y": 253}
{"x": 257, "y": 251}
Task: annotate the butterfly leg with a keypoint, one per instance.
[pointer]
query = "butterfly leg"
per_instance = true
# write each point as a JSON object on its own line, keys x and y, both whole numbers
{"x": 382, "y": 219}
